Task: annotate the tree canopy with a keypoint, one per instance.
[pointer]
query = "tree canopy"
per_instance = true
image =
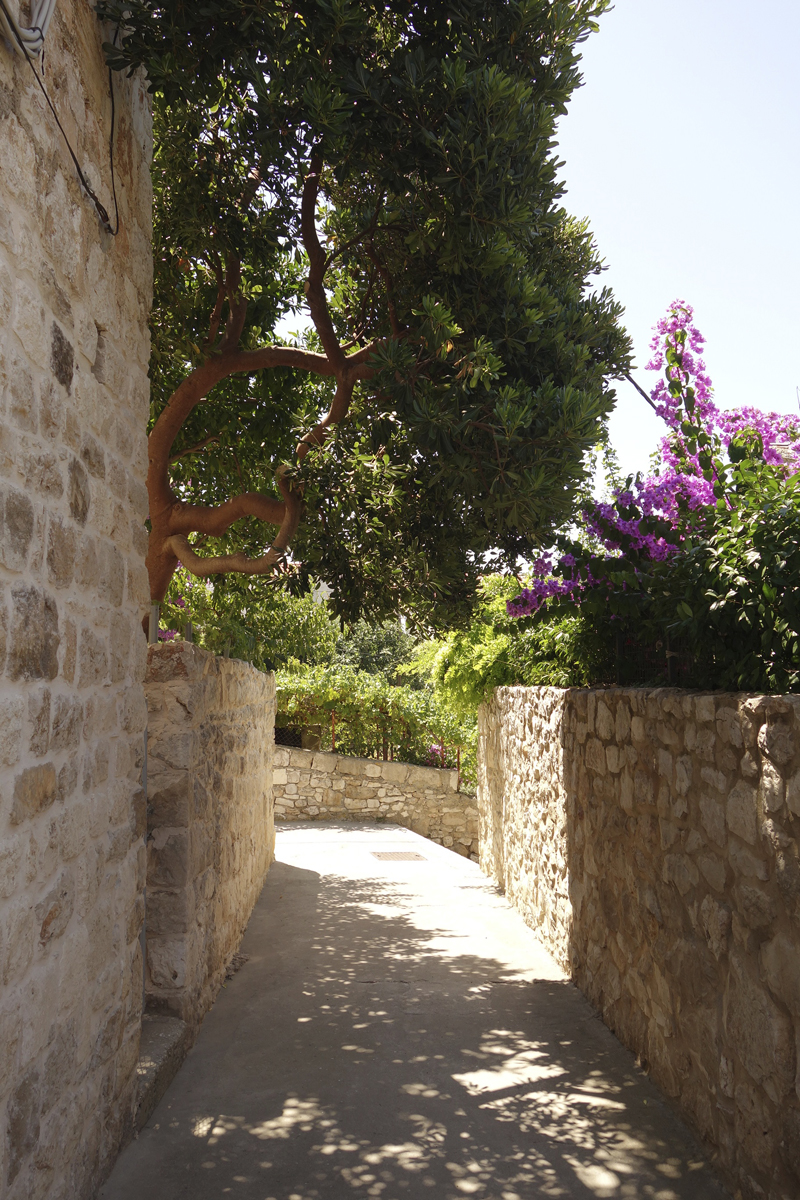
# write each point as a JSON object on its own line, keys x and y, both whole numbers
{"x": 389, "y": 172}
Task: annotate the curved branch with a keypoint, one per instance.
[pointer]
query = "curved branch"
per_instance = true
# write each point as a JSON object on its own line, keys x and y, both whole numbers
{"x": 194, "y": 389}
{"x": 336, "y": 413}
{"x": 179, "y": 546}
{"x": 214, "y": 521}
{"x": 225, "y": 564}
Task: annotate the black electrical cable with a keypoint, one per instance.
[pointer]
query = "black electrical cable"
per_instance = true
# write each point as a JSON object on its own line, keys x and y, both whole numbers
{"x": 101, "y": 211}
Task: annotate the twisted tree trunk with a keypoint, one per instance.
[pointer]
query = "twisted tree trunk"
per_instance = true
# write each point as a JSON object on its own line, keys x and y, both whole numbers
{"x": 172, "y": 520}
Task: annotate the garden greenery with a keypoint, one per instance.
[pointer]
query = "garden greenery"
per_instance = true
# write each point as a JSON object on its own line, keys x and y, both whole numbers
{"x": 363, "y": 714}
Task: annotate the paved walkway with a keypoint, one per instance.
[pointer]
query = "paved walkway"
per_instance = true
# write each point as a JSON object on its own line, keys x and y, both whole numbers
{"x": 398, "y": 1032}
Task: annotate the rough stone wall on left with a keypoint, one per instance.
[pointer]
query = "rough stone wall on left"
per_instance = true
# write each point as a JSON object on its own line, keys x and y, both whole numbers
{"x": 74, "y": 396}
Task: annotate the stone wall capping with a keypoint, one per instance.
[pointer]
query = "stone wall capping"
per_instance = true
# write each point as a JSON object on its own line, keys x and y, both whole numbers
{"x": 662, "y": 870}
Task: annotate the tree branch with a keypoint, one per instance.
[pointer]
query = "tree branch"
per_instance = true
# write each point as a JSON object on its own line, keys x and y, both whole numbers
{"x": 195, "y": 449}
{"x": 314, "y": 286}
{"x": 224, "y": 564}
{"x": 641, "y": 392}
{"x": 237, "y": 308}
{"x": 394, "y": 321}
{"x": 215, "y": 520}
{"x": 218, "y": 520}
{"x": 216, "y": 316}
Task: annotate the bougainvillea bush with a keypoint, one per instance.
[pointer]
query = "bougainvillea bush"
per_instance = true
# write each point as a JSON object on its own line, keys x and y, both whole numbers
{"x": 702, "y": 553}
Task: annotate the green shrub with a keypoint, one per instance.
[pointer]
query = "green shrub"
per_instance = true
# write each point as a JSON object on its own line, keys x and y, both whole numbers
{"x": 374, "y": 718}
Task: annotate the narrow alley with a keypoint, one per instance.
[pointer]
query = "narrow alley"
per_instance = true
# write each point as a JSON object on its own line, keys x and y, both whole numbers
{"x": 398, "y": 1032}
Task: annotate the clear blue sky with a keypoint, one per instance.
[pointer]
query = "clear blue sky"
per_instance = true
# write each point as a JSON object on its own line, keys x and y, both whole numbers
{"x": 683, "y": 150}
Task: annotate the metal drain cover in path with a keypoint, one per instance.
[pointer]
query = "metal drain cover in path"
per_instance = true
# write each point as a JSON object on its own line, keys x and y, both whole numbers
{"x": 399, "y": 855}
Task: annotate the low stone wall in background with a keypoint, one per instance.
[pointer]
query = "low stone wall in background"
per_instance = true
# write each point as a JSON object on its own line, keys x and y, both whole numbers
{"x": 211, "y": 835}
{"x": 651, "y": 840}
{"x": 310, "y": 785}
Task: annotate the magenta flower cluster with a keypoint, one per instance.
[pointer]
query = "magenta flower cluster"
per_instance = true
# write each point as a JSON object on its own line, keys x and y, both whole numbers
{"x": 679, "y": 483}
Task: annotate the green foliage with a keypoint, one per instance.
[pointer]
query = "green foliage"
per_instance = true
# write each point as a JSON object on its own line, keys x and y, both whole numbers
{"x": 265, "y": 626}
{"x": 374, "y": 718}
{"x": 495, "y": 650}
{"x": 440, "y": 207}
{"x": 377, "y": 649}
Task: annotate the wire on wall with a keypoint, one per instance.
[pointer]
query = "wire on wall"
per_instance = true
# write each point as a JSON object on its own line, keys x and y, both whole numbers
{"x": 31, "y": 39}
{"x": 18, "y": 35}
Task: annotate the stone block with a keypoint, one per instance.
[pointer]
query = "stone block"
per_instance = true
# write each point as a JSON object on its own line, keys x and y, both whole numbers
{"x": 745, "y": 863}
{"x": 168, "y": 911}
{"x": 394, "y": 772}
{"x": 594, "y": 756}
{"x": 753, "y": 1121}
{"x": 39, "y": 722}
{"x": 168, "y": 858}
{"x": 681, "y": 871}
{"x": 712, "y": 815}
{"x": 67, "y": 720}
{"x": 777, "y": 741}
{"x": 11, "y": 717}
{"x": 92, "y": 659}
{"x": 16, "y": 530}
{"x": 421, "y": 777}
{"x": 54, "y": 911}
{"x": 772, "y": 788}
{"x": 166, "y": 962}
{"x": 713, "y": 870}
{"x": 603, "y": 722}
{"x": 761, "y": 1034}
{"x": 22, "y": 1121}
{"x": 615, "y": 759}
{"x": 715, "y": 921}
{"x": 741, "y": 812}
{"x": 780, "y": 963}
{"x": 35, "y": 789}
{"x": 755, "y": 906}
{"x": 177, "y": 749}
{"x": 34, "y": 638}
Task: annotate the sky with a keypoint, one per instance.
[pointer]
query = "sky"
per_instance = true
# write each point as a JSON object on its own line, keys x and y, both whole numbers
{"x": 683, "y": 150}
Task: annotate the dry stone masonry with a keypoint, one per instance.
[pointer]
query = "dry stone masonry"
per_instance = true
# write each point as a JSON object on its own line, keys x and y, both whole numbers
{"x": 211, "y": 834}
{"x": 651, "y": 840}
{"x": 311, "y": 785}
{"x": 74, "y": 396}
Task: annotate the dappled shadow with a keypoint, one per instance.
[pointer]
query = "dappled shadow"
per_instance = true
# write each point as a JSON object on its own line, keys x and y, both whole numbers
{"x": 384, "y": 1041}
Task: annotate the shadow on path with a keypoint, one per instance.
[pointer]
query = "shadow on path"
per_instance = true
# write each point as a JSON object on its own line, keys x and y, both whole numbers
{"x": 397, "y": 1032}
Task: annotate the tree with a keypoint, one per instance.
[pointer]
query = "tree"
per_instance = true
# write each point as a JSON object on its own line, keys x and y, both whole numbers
{"x": 391, "y": 167}
{"x": 376, "y": 649}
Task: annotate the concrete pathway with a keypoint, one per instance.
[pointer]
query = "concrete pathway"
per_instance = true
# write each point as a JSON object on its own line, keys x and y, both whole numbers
{"x": 398, "y": 1032}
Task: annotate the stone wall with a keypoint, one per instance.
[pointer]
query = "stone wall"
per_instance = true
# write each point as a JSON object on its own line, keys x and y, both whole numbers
{"x": 74, "y": 395}
{"x": 311, "y": 785}
{"x": 651, "y": 840}
{"x": 211, "y": 835}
